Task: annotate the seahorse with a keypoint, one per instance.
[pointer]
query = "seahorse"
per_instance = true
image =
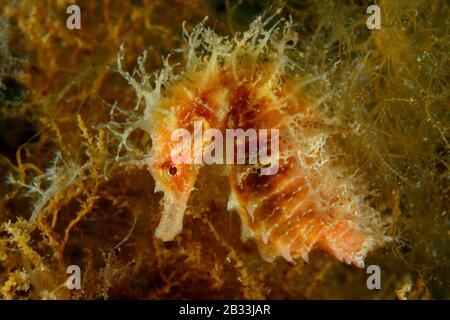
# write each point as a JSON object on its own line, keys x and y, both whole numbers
{"x": 251, "y": 81}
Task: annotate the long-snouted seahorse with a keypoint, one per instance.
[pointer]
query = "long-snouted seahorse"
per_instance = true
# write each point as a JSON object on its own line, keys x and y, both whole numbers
{"x": 250, "y": 81}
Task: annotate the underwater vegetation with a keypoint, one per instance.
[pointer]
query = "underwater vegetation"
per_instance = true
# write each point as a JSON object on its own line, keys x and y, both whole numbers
{"x": 85, "y": 123}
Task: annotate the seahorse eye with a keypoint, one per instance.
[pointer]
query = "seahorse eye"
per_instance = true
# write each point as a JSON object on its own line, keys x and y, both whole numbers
{"x": 173, "y": 171}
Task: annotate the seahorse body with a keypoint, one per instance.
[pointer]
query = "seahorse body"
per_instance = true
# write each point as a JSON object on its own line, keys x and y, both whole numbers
{"x": 246, "y": 83}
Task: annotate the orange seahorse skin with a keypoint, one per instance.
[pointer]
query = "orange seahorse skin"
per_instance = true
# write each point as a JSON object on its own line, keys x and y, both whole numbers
{"x": 246, "y": 82}
{"x": 285, "y": 213}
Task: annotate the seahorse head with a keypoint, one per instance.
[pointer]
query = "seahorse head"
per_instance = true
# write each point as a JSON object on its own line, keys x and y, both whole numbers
{"x": 175, "y": 180}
